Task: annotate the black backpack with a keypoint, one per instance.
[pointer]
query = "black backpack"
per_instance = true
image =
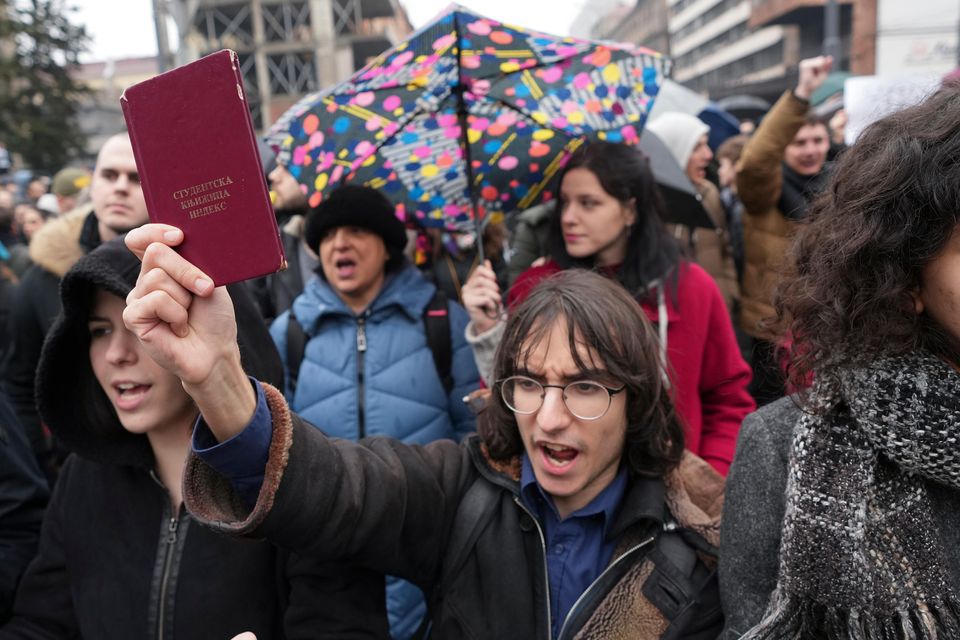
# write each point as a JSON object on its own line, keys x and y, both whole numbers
{"x": 436, "y": 323}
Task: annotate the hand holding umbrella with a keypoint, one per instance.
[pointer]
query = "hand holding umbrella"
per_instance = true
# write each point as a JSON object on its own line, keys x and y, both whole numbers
{"x": 482, "y": 298}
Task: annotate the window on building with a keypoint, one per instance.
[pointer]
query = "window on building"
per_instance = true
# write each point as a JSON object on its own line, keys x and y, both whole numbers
{"x": 705, "y": 18}
{"x": 292, "y": 73}
{"x": 227, "y": 25}
{"x": 733, "y": 73}
{"x": 347, "y": 17}
{"x": 286, "y": 22}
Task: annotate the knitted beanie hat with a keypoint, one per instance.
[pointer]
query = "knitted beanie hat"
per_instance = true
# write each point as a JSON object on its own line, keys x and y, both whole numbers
{"x": 679, "y": 132}
{"x": 356, "y": 206}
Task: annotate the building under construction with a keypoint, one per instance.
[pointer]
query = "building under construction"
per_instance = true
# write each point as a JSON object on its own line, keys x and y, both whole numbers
{"x": 287, "y": 48}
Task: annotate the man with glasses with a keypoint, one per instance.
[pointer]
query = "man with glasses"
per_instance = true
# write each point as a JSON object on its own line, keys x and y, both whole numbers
{"x": 575, "y": 512}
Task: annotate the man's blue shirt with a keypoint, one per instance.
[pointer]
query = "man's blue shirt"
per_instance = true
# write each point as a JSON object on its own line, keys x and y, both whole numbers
{"x": 578, "y": 547}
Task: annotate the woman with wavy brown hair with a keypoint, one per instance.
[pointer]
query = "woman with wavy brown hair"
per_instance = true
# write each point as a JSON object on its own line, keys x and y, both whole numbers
{"x": 842, "y": 516}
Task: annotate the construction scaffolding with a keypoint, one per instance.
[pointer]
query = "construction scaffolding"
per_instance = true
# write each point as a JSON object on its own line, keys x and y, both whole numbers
{"x": 287, "y": 48}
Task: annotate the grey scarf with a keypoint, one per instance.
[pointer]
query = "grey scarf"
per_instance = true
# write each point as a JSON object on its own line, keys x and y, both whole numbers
{"x": 861, "y": 556}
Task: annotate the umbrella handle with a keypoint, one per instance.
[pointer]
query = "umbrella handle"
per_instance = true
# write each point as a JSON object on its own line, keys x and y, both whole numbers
{"x": 496, "y": 313}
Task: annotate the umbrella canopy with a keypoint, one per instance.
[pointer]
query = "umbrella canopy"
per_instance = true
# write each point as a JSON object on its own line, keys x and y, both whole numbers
{"x": 468, "y": 117}
{"x": 674, "y": 97}
{"x": 744, "y": 106}
{"x": 681, "y": 201}
{"x": 722, "y": 124}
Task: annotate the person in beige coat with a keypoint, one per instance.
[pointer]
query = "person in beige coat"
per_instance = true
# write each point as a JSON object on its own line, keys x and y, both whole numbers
{"x": 780, "y": 171}
{"x": 686, "y": 138}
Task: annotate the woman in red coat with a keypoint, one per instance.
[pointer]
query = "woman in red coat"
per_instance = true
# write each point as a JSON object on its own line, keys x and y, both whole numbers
{"x": 608, "y": 220}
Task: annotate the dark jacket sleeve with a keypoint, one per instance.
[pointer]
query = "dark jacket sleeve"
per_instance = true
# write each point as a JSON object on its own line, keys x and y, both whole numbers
{"x": 23, "y": 496}
{"x": 259, "y": 290}
{"x": 378, "y": 503}
{"x": 36, "y": 304}
{"x": 257, "y": 350}
{"x": 753, "y": 512}
{"x": 463, "y": 368}
{"x": 334, "y": 601}
{"x": 43, "y": 608}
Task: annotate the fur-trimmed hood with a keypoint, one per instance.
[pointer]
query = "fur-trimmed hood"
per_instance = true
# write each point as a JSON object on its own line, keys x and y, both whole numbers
{"x": 56, "y": 246}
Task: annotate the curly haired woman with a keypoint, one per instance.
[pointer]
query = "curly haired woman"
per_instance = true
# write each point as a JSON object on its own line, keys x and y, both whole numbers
{"x": 842, "y": 514}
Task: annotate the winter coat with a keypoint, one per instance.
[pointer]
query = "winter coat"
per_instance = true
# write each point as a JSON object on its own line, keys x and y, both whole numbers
{"x": 114, "y": 560}
{"x": 36, "y": 303}
{"x": 754, "y": 510}
{"x": 710, "y": 248}
{"x": 708, "y": 374}
{"x": 393, "y": 382}
{"x": 767, "y": 232}
{"x": 23, "y": 496}
{"x": 450, "y": 520}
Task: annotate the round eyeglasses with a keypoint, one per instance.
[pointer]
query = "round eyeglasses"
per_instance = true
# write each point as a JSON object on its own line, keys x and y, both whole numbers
{"x": 585, "y": 399}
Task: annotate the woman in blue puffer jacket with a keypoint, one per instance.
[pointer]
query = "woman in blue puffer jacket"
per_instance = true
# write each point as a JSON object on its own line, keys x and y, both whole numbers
{"x": 368, "y": 368}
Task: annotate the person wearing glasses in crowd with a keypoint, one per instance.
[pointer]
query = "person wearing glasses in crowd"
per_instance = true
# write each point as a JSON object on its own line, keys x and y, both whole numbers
{"x": 608, "y": 218}
{"x": 574, "y": 512}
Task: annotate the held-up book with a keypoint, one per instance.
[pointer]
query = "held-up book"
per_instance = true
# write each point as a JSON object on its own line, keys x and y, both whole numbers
{"x": 200, "y": 170}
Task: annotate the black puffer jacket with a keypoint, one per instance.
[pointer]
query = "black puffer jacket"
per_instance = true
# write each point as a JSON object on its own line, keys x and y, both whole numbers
{"x": 115, "y": 561}
{"x": 449, "y": 520}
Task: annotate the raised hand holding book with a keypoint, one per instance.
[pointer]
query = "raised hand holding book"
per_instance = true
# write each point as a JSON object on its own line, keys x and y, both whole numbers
{"x": 200, "y": 170}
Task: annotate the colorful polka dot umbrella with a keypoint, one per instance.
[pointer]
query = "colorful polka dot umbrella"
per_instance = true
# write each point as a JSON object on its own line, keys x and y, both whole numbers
{"x": 467, "y": 118}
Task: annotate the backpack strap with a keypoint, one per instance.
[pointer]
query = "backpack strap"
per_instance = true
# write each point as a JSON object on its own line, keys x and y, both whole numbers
{"x": 436, "y": 324}
{"x": 296, "y": 348}
{"x": 472, "y": 515}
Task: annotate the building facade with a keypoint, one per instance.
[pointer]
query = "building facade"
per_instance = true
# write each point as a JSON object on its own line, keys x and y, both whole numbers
{"x": 718, "y": 50}
{"x": 644, "y": 23}
{"x": 287, "y": 48}
{"x": 722, "y": 48}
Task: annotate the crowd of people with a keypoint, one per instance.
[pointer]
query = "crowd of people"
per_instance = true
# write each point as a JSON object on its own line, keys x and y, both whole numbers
{"x": 612, "y": 428}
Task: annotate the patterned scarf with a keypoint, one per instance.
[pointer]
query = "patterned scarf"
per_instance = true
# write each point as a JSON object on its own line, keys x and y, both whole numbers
{"x": 861, "y": 557}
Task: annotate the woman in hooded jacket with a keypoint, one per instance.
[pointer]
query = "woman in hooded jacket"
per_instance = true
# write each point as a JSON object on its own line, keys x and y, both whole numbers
{"x": 119, "y": 555}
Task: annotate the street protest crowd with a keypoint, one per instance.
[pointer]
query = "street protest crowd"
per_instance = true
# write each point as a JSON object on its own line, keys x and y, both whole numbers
{"x": 609, "y": 427}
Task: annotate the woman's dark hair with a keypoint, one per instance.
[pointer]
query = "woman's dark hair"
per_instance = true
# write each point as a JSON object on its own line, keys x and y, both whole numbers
{"x": 607, "y": 330}
{"x": 624, "y": 173}
{"x": 893, "y": 201}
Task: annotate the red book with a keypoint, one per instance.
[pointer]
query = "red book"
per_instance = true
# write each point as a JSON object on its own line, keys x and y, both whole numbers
{"x": 200, "y": 169}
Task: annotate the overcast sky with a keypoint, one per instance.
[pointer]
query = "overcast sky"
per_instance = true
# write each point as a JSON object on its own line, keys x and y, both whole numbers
{"x": 124, "y": 28}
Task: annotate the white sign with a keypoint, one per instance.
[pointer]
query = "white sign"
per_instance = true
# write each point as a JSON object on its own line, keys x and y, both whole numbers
{"x": 869, "y": 98}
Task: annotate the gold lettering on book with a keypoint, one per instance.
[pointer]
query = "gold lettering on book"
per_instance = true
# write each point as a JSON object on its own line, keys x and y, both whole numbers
{"x": 205, "y": 198}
